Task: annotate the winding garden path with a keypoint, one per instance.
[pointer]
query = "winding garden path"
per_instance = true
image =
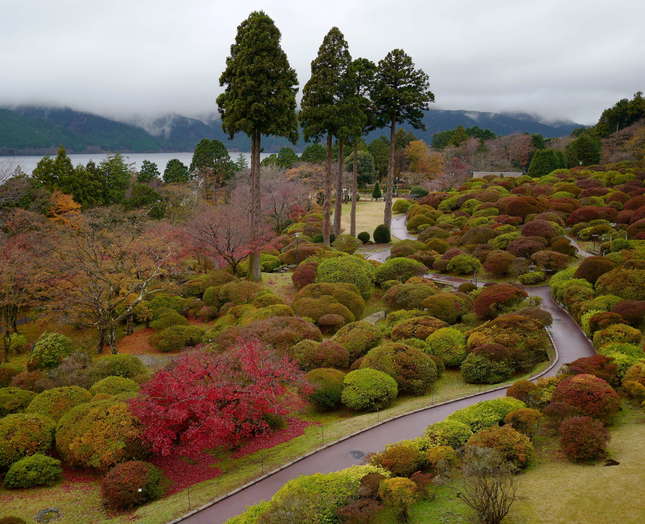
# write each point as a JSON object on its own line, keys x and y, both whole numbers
{"x": 570, "y": 344}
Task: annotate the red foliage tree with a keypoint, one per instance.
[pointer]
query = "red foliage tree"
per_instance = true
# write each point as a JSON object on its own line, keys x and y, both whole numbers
{"x": 206, "y": 400}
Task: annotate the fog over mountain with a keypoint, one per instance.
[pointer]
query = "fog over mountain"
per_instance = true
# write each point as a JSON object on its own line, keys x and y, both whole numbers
{"x": 559, "y": 60}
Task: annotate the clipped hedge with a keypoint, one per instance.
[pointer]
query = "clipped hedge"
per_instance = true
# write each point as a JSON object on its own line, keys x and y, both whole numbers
{"x": 486, "y": 413}
{"x": 400, "y": 269}
{"x": 351, "y": 269}
{"x": 24, "y": 434}
{"x": 358, "y": 338}
{"x": 114, "y": 386}
{"x": 327, "y": 384}
{"x": 34, "y": 470}
{"x": 131, "y": 484}
{"x": 449, "y": 344}
{"x": 14, "y": 400}
{"x": 55, "y": 402}
{"x": 368, "y": 390}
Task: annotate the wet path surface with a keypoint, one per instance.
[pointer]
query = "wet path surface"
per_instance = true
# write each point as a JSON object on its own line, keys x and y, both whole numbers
{"x": 570, "y": 344}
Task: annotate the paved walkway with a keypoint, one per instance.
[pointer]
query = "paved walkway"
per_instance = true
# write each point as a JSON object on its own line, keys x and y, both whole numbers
{"x": 570, "y": 344}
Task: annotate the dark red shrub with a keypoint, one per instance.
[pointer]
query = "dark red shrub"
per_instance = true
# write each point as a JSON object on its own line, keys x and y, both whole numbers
{"x": 496, "y": 299}
{"x": 604, "y": 319}
{"x": 495, "y": 352}
{"x": 593, "y": 191}
{"x": 625, "y": 216}
{"x": 519, "y": 206}
{"x": 591, "y": 268}
{"x": 498, "y": 263}
{"x": 550, "y": 260}
{"x": 370, "y": 484}
{"x": 508, "y": 219}
{"x": 586, "y": 395}
{"x": 637, "y": 229}
{"x": 526, "y": 246}
{"x": 304, "y": 274}
{"x": 583, "y": 439}
{"x": 562, "y": 245}
{"x": 35, "y": 381}
{"x": 539, "y": 228}
{"x": 598, "y": 365}
{"x": 131, "y": 484}
{"x": 632, "y": 311}
{"x": 587, "y": 213}
{"x": 360, "y": 511}
{"x": 635, "y": 202}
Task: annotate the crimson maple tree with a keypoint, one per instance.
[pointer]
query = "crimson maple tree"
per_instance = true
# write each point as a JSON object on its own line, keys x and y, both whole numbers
{"x": 205, "y": 400}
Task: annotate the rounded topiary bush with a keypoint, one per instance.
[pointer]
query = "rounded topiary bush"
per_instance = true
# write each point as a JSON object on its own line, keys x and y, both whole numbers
{"x": 513, "y": 446}
{"x": 131, "y": 484}
{"x": 592, "y": 268}
{"x": 634, "y": 380}
{"x": 351, "y": 269}
{"x": 449, "y": 307}
{"x": 114, "y": 386}
{"x": 34, "y": 470}
{"x": 382, "y": 234}
{"x": 400, "y": 269}
{"x": 14, "y": 400}
{"x": 358, "y": 338}
{"x": 368, "y": 390}
{"x": 463, "y": 265}
{"x": 496, "y": 299}
{"x": 448, "y": 433}
{"x": 347, "y": 294}
{"x": 413, "y": 370}
{"x": 327, "y": 384}
{"x": 406, "y": 296}
{"x": 122, "y": 365}
{"x": 420, "y": 327}
{"x": 55, "y": 402}
{"x": 583, "y": 439}
{"x": 627, "y": 283}
{"x": 49, "y": 350}
{"x": 6, "y": 374}
{"x": 174, "y": 338}
{"x": 532, "y": 277}
{"x": 346, "y": 243}
{"x": 169, "y": 318}
{"x": 480, "y": 369}
{"x": 364, "y": 237}
{"x": 449, "y": 344}
{"x": 524, "y": 420}
{"x": 400, "y": 459}
{"x": 311, "y": 354}
{"x": 486, "y": 413}
{"x": 24, "y": 434}
{"x": 99, "y": 435}
{"x": 304, "y": 274}
{"x": 584, "y": 395}
{"x": 616, "y": 333}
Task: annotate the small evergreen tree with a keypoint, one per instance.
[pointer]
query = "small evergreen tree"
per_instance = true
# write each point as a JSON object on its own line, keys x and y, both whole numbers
{"x": 176, "y": 172}
{"x": 314, "y": 153}
{"x": 584, "y": 150}
{"x": 376, "y": 192}
{"x": 148, "y": 172}
{"x": 544, "y": 161}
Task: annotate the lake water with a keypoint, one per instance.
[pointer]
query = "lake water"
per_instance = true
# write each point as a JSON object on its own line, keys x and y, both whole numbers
{"x": 28, "y": 162}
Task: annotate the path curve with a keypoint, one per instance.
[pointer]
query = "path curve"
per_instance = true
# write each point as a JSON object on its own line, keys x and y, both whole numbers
{"x": 570, "y": 344}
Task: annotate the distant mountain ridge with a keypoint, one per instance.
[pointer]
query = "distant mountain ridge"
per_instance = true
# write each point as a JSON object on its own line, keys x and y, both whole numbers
{"x": 40, "y": 130}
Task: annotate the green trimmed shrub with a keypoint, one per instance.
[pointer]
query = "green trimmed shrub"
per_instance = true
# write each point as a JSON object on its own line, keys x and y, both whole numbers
{"x": 382, "y": 234}
{"x": 168, "y": 318}
{"x": 358, "y": 338}
{"x": 449, "y": 344}
{"x": 14, "y": 400}
{"x": 616, "y": 333}
{"x": 24, "y": 434}
{"x": 407, "y": 296}
{"x": 351, "y": 269}
{"x": 55, "y": 402}
{"x": 413, "y": 370}
{"x": 327, "y": 386}
{"x": 407, "y": 247}
{"x": 401, "y": 206}
{"x": 346, "y": 243}
{"x": 364, "y": 237}
{"x": 400, "y": 269}
{"x": 114, "y": 386}
{"x": 448, "y": 433}
{"x": 163, "y": 301}
{"x": 479, "y": 369}
{"x": 347, "y": 294}
{"x": 99, "y": 435}
{"x": 131, "y": 484}
{"x": 368, "y": 389}
{"x": 463, "y": 265}
{"x": 120, "y": 365}
{"x": 524, "y": 420}
{"x": 49, "y": 350}
{"x": 315, "y": 308}
{"x": 627, "y": 283}
{"x": 486, "y": 413}
{"x": 174, "y": 338}
{"x": 531, "y": 278}
{"x": 31, "y": 471}
{"x": 449, "y": 307}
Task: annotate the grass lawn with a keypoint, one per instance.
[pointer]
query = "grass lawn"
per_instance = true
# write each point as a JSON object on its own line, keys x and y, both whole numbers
{"x": 369, "y": 214}
{"x": 554, "y": 490}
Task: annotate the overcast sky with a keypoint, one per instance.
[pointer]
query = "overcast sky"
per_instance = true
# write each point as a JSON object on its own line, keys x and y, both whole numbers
{"x": 565, "y": 59}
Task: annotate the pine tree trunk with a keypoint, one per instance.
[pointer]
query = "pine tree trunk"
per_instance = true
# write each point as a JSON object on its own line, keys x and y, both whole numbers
{"x": 339, "y": 189}
{"x": 387, "y": 215}
{"x": 352, "y": 218}
{"x": 327, "y": 201}
{"x": 254, "y": 257}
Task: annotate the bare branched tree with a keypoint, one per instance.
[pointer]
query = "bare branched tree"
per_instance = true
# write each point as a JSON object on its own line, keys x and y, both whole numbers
{"x": 489, "y": 485}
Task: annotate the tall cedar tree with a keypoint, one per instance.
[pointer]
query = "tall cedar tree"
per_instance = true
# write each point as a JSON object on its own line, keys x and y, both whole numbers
{"x": 401, "y": 94}
{"x": 357, "y": 111}
{"x": 259, "y": 99}
{"x": 322, "y": 111}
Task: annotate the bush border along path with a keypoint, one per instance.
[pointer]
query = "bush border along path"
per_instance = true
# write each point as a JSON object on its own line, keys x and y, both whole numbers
{"x": 569, "y": 343}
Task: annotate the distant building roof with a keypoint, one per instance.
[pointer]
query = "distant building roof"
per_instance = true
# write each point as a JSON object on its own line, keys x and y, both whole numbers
{"x": 482, "y": 174}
